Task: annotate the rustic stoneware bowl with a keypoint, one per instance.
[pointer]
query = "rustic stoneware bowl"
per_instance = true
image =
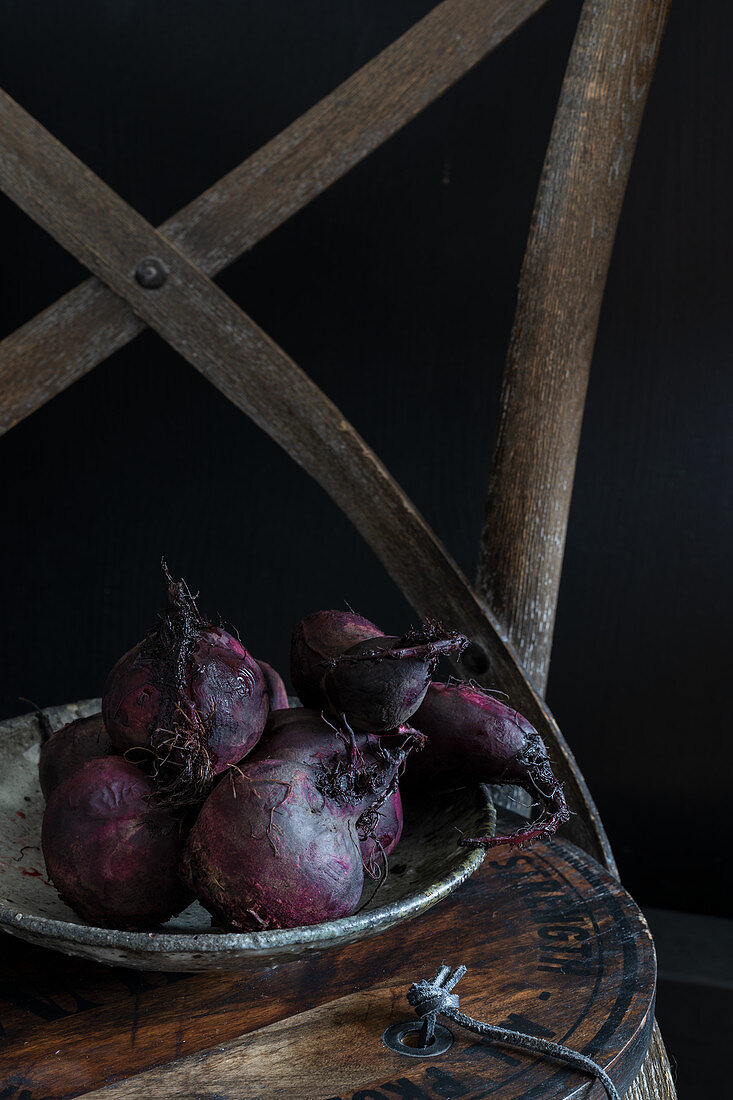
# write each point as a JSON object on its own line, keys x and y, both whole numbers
{"x": 426, "y": 866}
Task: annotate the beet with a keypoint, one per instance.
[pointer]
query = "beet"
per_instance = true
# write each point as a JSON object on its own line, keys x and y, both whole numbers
{"x": 359, "y": 771}
{"x": 320, "y": 636}
{"x": 110, "y": 851}
{"x": 70, "y": 747}
{"x": 378, "y": 684}
{"x": 474, "y": 738}
{"x": 274, "y": 686}
{"x": 300, "y": 734}
{"x": 355, "y": 762}
{"x": 269, "y": 850}
{"x": 191, "y": 694}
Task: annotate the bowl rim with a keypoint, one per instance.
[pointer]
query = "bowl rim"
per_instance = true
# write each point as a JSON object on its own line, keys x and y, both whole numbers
{"x": 211, "y": 942}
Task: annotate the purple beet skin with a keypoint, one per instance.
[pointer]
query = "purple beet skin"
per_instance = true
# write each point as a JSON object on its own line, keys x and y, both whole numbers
{"x": 70, "y": 747}
{"x": 269, "y": 850}
{"x": 318, "y": 637}
{"x": 111, "y": 853}
{"x": 378, "y": 684}
{"x": 358, "y": 771}
{"x": 191, "y": 694}
{"x": 474, "y": 738}
{"x": 274, "y": 686}
{"x": 353, "y": 765}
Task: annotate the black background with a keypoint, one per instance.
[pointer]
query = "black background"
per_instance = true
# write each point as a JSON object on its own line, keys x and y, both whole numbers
{"x": 395, "y": 291}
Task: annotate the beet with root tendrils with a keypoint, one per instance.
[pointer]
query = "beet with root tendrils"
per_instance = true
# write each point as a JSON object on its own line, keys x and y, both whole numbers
{"x": 191, "y": 695}
{"x": 270, "y": 850}
{"x": 474, "y": 738}
{"x": 355, "y": 767}
{"x": 357, "y": 770}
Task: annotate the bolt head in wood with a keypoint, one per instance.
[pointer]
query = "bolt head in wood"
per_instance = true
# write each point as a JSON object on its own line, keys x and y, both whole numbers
{"x": 151, "y": 273}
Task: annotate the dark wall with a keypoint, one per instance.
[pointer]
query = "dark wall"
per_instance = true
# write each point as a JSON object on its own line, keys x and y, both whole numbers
{"x": 395, "y": 291}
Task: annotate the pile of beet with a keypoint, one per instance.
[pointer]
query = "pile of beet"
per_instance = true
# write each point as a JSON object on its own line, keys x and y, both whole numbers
{"x": 198, "y": 780}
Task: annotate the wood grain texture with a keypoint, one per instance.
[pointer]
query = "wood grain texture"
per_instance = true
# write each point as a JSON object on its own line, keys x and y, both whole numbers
{"x": 560, "y": 292}
{"x": 89, "y": 323}
{"x": 229, "y": 349}
{"x": 552, "y": 943}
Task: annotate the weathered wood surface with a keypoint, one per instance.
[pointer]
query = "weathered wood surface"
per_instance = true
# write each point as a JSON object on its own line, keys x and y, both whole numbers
{"x": 89, "y": 323}
{"x": 551, "y": 941}
{"x": 560, "y": 293}
{"x": 209, "y": 330}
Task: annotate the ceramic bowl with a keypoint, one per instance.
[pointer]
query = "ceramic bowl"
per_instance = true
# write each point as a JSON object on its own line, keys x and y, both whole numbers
{"x": 425, "y": 867}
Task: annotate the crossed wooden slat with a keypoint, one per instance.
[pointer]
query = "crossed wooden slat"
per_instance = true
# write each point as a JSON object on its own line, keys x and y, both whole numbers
{"x": 90, "y": 323}
{"x": 588, "y": 159}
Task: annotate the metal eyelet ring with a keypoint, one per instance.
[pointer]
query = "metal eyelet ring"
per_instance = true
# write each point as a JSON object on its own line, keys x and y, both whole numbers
{"x": 392, "y": 1038}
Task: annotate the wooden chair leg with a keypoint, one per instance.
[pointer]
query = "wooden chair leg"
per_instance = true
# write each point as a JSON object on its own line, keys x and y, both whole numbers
{"x": 560, "y": 293}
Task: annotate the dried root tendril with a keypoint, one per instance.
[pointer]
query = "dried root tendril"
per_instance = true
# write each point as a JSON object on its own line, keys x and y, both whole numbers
{"x": 540, "y": 782}
{"x": 350, "y": 779}
{"x": 182, "y": 770}
{"x": 480, "y": 689}
{"x": 368, "y": 821}
{"x": 432, "y": 633}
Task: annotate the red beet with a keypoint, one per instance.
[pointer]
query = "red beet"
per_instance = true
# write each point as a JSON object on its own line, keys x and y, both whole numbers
{"x": 355, "y": 766}
{"x": 474, "y": 738}
{"x": 269, "y": 850}
{"x": 110, "y": 851}
{"x": 190, "y": 693}
{"x": 378, "y": 684}
{"x": 357, "y": 770}
{"x": 316, "y": 638}
{"x": 70, "y": 747}
{"x": 274, "y": 686}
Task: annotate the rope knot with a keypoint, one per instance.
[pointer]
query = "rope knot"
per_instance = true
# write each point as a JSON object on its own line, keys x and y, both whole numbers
{"x": 430, "y": 998}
